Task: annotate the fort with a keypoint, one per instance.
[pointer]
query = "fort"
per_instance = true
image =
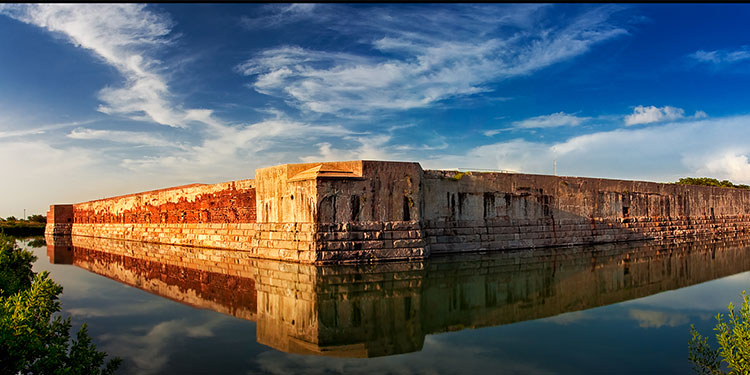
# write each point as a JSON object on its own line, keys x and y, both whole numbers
{"x": 364, "y": 211}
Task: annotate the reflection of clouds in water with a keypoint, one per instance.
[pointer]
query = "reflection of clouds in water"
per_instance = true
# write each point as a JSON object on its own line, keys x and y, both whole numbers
{"x": 120, "y": 309}
{"x": 712, "y": 296}
{"x": 656, "y": 319}
{"x": 438, "y": 356}
{"x": 569, "y": 318}
{"x": 150, "y": 352}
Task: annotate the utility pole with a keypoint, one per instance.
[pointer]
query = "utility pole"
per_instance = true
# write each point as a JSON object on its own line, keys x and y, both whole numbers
{"x": 554, "y": 167}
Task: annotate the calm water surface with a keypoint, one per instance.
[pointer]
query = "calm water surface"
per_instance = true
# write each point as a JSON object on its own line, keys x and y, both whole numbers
{"x": 610, "y": 309}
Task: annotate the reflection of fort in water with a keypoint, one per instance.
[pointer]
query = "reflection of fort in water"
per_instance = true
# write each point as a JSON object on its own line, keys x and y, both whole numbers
{"x": 388, "y": 308}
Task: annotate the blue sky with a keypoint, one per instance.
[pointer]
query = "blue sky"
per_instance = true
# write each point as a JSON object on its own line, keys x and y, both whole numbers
{"x": 101, "y": 100}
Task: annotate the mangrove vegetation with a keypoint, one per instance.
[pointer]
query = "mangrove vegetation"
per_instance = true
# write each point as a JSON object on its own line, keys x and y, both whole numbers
{"x": 34, "y": 338}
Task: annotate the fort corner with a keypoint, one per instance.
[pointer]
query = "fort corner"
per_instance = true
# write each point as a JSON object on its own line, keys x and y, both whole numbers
{"x": 377, "y": 210}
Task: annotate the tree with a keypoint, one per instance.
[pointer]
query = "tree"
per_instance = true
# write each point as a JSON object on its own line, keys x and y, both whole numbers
{"x": 37, "y": 218}
{"x": 707, "y": 181}
{"x": 32, "y": 341}
{"x": 733, "y": 337}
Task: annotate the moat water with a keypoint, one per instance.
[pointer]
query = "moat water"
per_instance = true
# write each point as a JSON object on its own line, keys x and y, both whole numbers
{"x": 608, "y": 309}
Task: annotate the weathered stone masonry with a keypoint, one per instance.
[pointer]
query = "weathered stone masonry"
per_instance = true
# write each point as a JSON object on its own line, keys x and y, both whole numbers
{"x": 374, "y": 210}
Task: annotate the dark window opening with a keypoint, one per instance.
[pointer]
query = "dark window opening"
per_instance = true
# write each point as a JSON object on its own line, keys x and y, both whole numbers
{"x": 625, "y": 211}
{"x": 546, "y": 211}
{"x": 407, "y": 209}
{"x": 355, "y": 201}
{"x": 489, "y": 205}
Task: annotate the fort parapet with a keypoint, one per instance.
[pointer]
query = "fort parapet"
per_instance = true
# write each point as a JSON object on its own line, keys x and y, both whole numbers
{"x": 375, "y": 210}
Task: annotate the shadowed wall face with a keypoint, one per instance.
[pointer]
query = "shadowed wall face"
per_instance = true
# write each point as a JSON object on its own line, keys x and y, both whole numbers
{"x": 59, "y": 220}
{"x": 483, "y": 211}
{"x": 375, "y": 216}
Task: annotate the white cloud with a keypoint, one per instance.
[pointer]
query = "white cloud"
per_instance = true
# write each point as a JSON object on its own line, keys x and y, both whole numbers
{"x": 276, "y": 15}
{"x": 733, "y": 162}
{"x": 721, "y": 57}
{"x": 124, "y": 36}
{"x": 233, "y": 151}
{"x": 36, "y": 130}
{"x": 493, "y": 132}
{"x": 130, "y": 137}
{"x": 369, "y": 147}
{"x": 425, "y": 64}
{"x": 550, "y": 121}
{"x": 650, "y": 114}
{"x": 710, "y": 147}
{"x": 647, "y": 115}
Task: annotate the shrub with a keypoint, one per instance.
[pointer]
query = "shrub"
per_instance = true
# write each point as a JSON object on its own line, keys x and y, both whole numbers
{"x": 707, "y": 181}
{"x": 733, "y": 337}
{"x": 32, "y": 341}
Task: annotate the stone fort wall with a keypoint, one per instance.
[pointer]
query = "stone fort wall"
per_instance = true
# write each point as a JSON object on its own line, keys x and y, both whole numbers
{"x": 484, "y": 211}
{"x": 375, "y": 210}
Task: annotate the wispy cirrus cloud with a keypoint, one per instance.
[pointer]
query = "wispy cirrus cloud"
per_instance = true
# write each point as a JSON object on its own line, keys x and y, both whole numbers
{"x": 721, "y": 57}
{"x": 423, "y": 64}
{"x": 228, "y": 151}
{"x": 119, "y": 136}
{"x": 650, "y": 114}
{"x": 553, "y": 120}
{"x": 550, "y": 121}
{"x": 124, "y": 36}
{"x": 277, "y": 15}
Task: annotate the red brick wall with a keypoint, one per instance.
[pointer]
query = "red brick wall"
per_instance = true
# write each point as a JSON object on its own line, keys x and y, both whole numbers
{"x": 232, "y": 202}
